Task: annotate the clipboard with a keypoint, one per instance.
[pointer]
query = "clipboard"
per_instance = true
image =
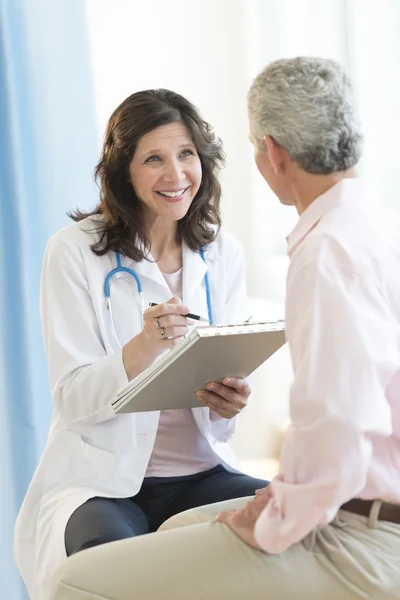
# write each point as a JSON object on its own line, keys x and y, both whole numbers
{"x": 206, "y": 354}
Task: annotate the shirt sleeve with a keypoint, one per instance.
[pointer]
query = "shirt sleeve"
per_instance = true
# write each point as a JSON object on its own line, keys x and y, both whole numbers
{"x": 343, "y": 344}
{"x": 83, "y": 377}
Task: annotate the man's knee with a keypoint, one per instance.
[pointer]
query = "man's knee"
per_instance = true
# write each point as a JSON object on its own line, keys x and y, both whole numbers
{"x": 187, "y": 517}
{"x": 202, "y": 514}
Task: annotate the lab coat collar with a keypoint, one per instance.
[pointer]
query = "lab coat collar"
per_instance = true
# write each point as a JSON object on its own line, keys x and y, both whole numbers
{"x": 194, "y": 269}
{"x": 346, "y": 190}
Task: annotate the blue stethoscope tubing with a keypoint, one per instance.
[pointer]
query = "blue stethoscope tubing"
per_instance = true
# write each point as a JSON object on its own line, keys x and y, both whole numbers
{"x": 120, "y": 269}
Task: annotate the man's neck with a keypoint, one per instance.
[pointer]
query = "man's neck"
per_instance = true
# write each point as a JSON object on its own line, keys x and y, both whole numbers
{"x": 307, "y": 187}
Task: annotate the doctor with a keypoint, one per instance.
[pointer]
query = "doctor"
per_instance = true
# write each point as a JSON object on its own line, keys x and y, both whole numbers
{"x": 154, "y": 237}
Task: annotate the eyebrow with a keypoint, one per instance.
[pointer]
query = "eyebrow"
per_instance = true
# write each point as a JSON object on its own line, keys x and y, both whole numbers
{"x": 180, "y": 146}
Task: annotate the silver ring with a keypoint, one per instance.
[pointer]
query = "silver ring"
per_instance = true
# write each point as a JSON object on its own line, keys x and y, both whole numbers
{"x": 163, "y": 333}
{"x": 157, "y": 323}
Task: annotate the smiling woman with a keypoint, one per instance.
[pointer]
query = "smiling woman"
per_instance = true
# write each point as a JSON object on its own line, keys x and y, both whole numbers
{"x": 104, "y": 477}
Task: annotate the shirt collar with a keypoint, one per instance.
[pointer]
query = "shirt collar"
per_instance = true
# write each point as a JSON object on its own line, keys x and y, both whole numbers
{"x": 346, "y": 190}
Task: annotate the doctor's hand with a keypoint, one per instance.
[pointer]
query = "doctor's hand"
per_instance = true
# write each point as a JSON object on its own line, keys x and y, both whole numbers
{"x": 227, "y": 398}
{"x": 164, "y": 326}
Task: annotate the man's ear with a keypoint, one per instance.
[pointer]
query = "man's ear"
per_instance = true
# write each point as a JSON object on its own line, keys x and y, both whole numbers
{"x": 275, "y": 154}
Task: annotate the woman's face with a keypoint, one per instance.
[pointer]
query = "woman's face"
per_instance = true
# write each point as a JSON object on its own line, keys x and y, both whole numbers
{"x": 165, "y": 171}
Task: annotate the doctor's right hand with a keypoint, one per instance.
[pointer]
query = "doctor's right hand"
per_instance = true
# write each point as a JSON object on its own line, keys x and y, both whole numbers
{"x": 164, "y": 326}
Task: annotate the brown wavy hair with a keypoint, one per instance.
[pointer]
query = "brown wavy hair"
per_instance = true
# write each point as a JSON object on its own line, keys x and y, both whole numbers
{"x": 124, "y": 228}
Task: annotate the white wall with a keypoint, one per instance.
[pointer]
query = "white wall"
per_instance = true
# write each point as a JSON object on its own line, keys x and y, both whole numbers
{"x": 210, "y": 50}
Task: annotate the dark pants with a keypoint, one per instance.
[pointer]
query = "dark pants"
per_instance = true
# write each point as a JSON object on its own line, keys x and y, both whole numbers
{"x": 102, "y": 520}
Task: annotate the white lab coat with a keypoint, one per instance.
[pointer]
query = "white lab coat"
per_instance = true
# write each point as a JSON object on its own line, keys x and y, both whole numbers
{"x": 90, "y": 451}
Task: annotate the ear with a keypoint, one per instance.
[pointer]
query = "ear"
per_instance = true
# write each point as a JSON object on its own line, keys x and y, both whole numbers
{"x": 275, "y": 154}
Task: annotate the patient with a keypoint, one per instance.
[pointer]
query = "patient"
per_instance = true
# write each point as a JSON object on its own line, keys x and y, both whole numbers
{"x": 329, "y": 525}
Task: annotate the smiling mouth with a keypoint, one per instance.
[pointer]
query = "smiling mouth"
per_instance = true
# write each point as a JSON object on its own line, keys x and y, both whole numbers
{"x": 173, "y": 195}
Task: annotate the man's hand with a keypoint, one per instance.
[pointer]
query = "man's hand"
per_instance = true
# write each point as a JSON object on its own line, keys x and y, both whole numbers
{"x": 242, "y": 521}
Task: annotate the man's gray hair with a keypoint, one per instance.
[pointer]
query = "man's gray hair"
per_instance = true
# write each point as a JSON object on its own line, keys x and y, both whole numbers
{"x": 305, "y": 104}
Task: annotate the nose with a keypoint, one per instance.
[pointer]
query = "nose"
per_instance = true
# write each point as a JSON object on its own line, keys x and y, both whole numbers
{"x": 173, "y": 171}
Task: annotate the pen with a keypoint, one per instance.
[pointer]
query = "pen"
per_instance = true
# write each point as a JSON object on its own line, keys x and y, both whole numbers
{"x": 189, "y": 315}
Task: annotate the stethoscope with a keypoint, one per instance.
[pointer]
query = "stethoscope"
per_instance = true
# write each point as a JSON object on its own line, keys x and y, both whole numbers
{"x": 120, "y": 269}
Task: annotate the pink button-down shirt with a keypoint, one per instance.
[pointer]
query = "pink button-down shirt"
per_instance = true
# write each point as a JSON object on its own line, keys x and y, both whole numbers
{"x": 343, "y": 329}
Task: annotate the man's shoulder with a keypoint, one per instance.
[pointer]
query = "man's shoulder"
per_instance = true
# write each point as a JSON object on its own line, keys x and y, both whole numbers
{"x": 353, "y": 242}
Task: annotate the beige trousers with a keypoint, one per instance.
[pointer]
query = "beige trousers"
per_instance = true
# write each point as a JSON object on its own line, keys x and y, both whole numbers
{"x": 195, "y": 559}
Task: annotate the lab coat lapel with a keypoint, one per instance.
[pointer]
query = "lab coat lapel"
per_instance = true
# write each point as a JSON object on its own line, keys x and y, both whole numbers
{"x": 194, "y": 296}
{"x": 148, "y": 269}
{"x": 194, "y": 269}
